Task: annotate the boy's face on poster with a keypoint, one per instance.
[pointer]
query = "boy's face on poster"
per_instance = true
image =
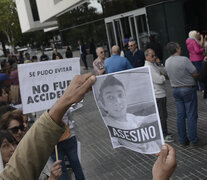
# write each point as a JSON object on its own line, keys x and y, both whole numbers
{"x": 115, "y": 101}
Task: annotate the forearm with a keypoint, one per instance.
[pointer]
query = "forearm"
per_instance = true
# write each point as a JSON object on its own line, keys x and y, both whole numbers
{"x": 58, "y": 110}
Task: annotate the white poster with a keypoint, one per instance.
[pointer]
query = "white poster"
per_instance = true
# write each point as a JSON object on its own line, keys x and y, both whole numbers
{"x": 127, "y": 105}
{"x": 42, "y": 83}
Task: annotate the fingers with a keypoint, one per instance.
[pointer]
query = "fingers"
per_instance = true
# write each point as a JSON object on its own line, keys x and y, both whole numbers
{"x": 56, "y": 165}
{"x": 86, "y": 76}
{"x": 57, "y": 162}
{"x": 56, "y": 169}
{"x": 171, "y": 153}
{"x": 164, "y": 153}
{"x": 89, "y": 82}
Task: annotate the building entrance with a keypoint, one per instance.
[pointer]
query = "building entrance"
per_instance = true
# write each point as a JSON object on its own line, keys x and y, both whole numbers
{"x": 133, "y": 24}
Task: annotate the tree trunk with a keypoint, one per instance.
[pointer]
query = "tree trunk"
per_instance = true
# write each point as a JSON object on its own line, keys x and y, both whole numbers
{"x": 4, "y": 48}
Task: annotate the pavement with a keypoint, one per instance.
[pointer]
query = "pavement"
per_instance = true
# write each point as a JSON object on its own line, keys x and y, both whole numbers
{"x": 101, "y": 162}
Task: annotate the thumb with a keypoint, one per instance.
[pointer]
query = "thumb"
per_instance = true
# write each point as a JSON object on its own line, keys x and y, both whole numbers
{"x": 163, "y": 153}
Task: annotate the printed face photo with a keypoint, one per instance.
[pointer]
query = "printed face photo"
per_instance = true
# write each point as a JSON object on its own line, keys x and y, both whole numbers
{"x": 127, "y": 105}
{"x": 114, "y": 101}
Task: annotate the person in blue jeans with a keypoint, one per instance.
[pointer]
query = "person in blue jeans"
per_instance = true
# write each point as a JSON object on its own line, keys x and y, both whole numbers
{"x": 182, "y": 74}
{"x": 186, "y": 105}
{"x": 68, "y": 148}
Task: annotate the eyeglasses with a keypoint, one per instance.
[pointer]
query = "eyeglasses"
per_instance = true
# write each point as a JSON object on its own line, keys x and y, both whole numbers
{"x": 152, "y": 56}
{"x": 16, "y": 129}
{"x": 131, "y": 45}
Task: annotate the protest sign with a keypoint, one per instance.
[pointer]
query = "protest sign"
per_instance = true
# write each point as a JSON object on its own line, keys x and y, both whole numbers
{"x": 42, "y": 83}
{"x": 128, "y": 107}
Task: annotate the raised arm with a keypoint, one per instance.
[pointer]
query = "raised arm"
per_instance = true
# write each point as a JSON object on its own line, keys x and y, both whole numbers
{"x": 36, "y": 146}
{"x": 73, "y": 94}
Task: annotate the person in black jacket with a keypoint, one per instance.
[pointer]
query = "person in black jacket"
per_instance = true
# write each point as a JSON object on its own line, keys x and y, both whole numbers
{"x": 203, "y": 77}
{"x": 68, "y": 53}
{"x": 134, "y": 55}
{"x": 43, "y": 57}
{"x": 83, "y": 53}
{"x": 55, "y": 53}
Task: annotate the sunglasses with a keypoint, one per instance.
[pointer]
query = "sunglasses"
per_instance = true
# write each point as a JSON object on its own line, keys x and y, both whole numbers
{"x": 16, "y": 129}
{"x": 152, "y": 56}
{"x": 131, "y": 45}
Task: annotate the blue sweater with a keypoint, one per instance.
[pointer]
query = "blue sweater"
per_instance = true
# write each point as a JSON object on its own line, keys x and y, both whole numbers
{"x": 116, "y": 63}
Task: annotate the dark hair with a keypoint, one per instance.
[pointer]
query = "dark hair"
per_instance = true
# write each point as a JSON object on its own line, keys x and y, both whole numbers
{"x": 5, "y": 108}
{"x": 8, "y": 117}
{"x": 34, "y": 57}
{"x": 146, "y": 52}
{"x": 172, "y": 47}
{"x": 1, "y": 90}
{"x": 132, "y": 40}
{"x": 4, "y": 134}
{"x": 59, "y": 55}
{"x": 109, "y": 81}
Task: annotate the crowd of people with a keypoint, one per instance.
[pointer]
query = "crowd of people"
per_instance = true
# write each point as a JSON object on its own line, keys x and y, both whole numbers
{"x": 18, "y": 141}
{"x": 187, "y": 75}
{"x": 51, "y": 127}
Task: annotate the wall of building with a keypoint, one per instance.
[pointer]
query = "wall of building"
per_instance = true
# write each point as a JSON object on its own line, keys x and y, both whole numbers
{"x": 167, "y": 21}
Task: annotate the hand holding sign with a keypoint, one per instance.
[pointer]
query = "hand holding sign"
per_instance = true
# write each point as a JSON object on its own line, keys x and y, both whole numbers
{"x": 165, "y": 164}
{"x": 73, "y": 94}
{"x": 78, "y": 87}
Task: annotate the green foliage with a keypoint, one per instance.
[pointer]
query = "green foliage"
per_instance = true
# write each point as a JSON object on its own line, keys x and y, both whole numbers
{"x": 9, "y": 23}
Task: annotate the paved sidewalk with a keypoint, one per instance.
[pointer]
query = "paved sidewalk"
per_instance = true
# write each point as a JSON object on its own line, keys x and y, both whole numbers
{"x": 101, "y": 161}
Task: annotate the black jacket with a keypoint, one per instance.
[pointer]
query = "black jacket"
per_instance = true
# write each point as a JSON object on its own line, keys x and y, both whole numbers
{"x": 203, "y": 77}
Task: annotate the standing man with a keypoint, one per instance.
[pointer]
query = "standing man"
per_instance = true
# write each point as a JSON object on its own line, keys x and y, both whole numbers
{"x": 98, "y": 64}
{"x": 116, "y": 62}
{"x": 182, "y": 73}
{"x": 158, "y": 79}
{"x": 134, "y": 55}
{"x": 83, "y": 53}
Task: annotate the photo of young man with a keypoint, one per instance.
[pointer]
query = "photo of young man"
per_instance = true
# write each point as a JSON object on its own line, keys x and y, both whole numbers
{"x": 138, "y": 130}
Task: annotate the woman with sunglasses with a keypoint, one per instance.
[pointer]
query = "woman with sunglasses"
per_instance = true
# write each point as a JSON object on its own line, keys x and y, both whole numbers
{"x": 13, "y": 122}
{"x": 7, "y": 147}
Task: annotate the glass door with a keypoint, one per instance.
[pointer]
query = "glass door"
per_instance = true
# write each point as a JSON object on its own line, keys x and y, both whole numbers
{"x": 110, "y": 34}
{"x": 119, "y": 33}
{"x": 124, "y": 26}
{"x": 132, "y": 27}
{"x": 142, "y": 30}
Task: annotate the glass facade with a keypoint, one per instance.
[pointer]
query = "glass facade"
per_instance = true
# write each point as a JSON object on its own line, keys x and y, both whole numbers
{"x": 167, "y": 20}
